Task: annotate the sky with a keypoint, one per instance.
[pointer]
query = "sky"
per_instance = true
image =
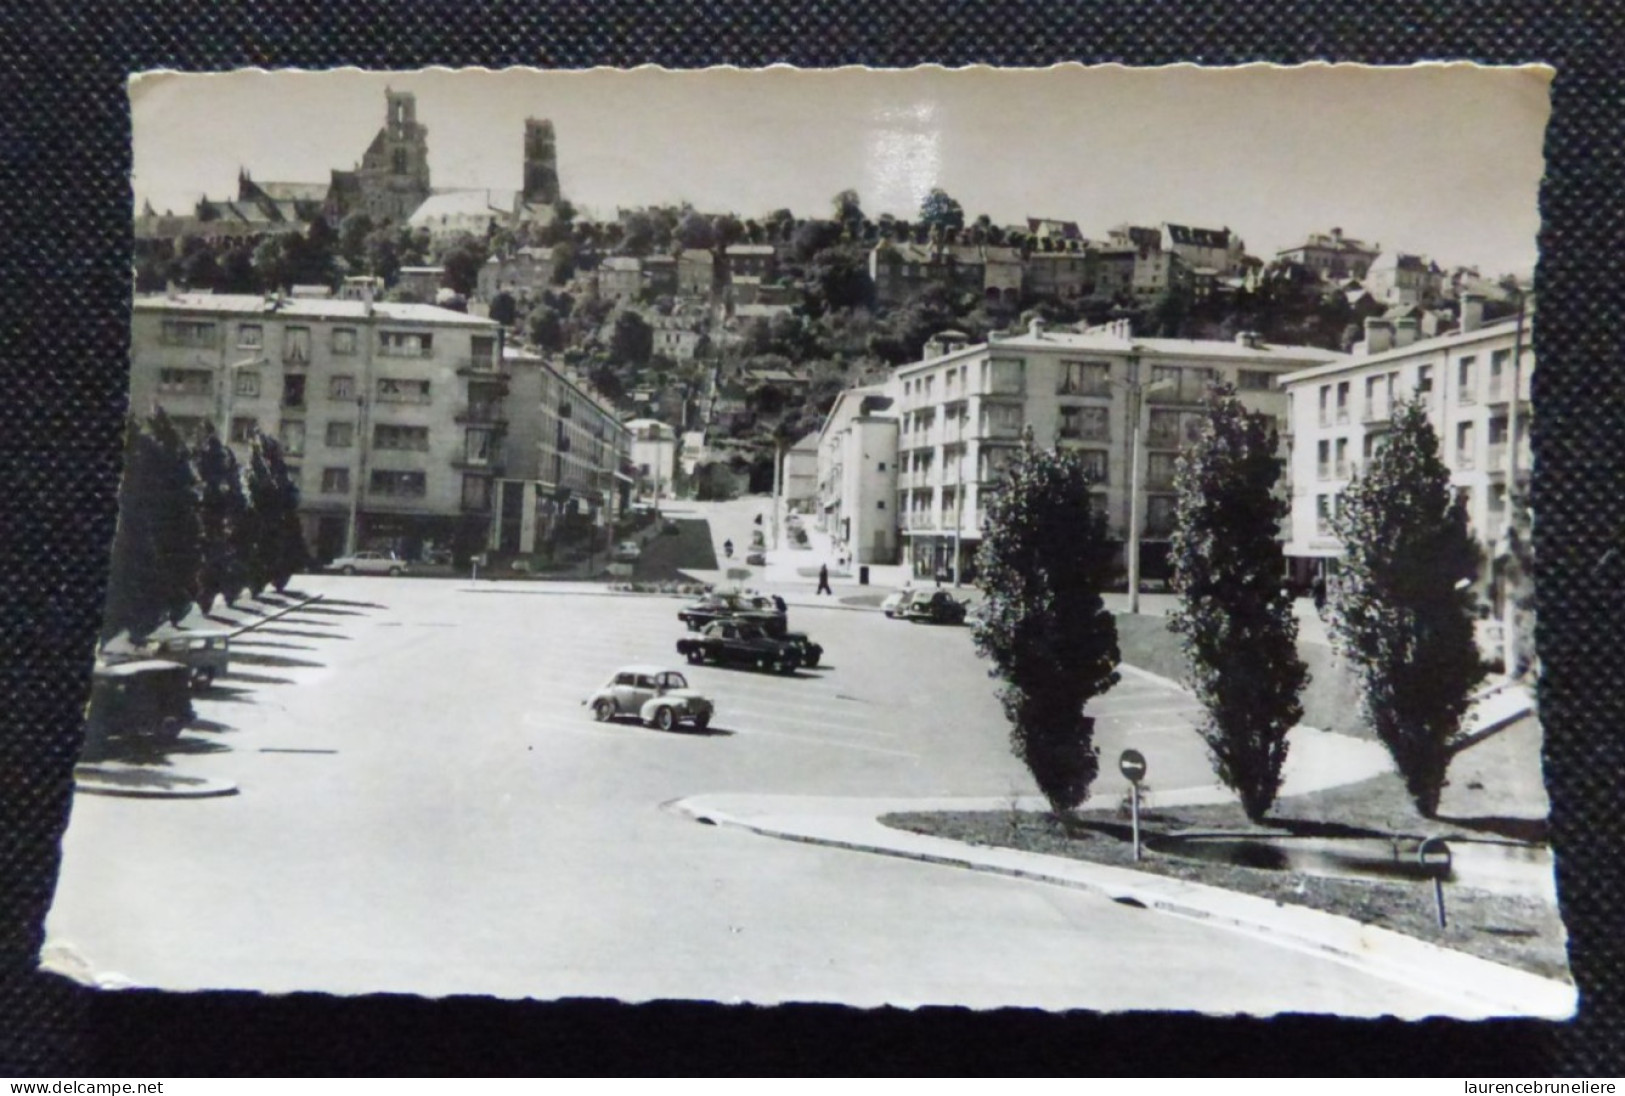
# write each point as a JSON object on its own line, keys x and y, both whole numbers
{"x": 1439, "y": 160}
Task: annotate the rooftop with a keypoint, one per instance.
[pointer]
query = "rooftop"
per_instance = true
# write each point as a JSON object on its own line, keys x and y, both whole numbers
{"x": 315, "y": 308}
{"x": 1111, "y": 343}
{"x": 1493, "y": 330}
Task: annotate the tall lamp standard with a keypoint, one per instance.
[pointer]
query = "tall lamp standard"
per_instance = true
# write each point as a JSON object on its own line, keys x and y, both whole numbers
{"x": 1136, "y": 391}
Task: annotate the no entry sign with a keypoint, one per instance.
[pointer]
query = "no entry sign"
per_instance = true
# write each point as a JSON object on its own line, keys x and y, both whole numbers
{"x": 1132, "y": 765}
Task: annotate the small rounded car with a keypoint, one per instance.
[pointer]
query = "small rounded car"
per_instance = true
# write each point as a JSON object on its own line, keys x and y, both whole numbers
{"x": 934, "y": 607}
{"x": 654, "y": 695}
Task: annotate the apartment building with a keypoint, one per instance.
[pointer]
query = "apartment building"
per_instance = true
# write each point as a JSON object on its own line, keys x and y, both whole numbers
{"x": 962, "y": 412}
{"x": 564, "y": 459}
{"x": 1475, "y": 385}
{"x": 857, "y": 474}
{"x": 388, "y": 413}
{"x": 653, "y": 455}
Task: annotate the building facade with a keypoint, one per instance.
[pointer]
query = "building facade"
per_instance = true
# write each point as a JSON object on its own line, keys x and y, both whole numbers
{"x": 962, "y": 414}
{"x": 654, "y": 456}
{"x": 388, "y": 414}
{"x": 1333, "y": 255}
{"x": 857, "y": 474}
{"x": 1475, "y": 386}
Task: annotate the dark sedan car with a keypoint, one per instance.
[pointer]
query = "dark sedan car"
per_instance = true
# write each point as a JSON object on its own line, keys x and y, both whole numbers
{"x": 714, "y": 607}
{"x": 935, "y": 607}
{"x": 740, "y": 643}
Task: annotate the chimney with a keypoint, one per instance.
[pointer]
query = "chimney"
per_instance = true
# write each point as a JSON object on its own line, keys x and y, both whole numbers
{"x": 1379, "y": 335}
{"x": 1249, "y": 339}
{"x": 1405, "y": 331}
{"x": 1035, "y": 327}
{"x": 1472, "y": 311}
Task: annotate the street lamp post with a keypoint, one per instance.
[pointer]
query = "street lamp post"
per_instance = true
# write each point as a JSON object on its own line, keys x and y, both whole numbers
{"x": 1136, "y": 390}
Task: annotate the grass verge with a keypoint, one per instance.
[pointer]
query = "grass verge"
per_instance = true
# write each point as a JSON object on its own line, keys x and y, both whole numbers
{"x": 1522, "y": 932}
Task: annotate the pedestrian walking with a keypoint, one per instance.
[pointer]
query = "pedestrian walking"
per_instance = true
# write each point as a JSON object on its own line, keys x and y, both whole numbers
{"x": 728, "y": 548}
{"x": 823, "y": 580}
{"x": 778, "y": 603}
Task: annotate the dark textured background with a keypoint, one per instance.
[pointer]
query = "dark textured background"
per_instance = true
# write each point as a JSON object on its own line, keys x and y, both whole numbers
{"x": 64, "y": 228}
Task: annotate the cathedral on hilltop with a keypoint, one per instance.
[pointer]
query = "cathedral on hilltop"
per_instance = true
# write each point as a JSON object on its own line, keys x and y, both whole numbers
{"x": 391, "y": 183}
{"x": 392, "y": 179}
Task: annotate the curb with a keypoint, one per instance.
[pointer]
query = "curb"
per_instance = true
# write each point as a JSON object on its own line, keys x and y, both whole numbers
{"x": 1485, "y": 988}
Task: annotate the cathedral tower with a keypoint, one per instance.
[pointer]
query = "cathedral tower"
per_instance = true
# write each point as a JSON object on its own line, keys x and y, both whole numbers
{"x": 541, "y": 163}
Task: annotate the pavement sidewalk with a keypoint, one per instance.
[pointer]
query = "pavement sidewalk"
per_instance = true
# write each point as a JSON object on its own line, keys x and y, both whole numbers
{"x": 1482, "y": 988}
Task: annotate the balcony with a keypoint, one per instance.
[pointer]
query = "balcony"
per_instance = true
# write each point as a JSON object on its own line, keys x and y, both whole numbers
{"x": 1376, "y": 413}
{"x": 478, "y": 467}
{"x": 1495, "y": 458}
{"x": 1323, "y": 470}
{"x": 476, "y": 505}
{"x": 1001, "y": 430}
{"x": 478, "y": 414}
{"x": 1342, "y": 415}
{"x": 1464, "y": 460}
{"x": 483, "y": 368}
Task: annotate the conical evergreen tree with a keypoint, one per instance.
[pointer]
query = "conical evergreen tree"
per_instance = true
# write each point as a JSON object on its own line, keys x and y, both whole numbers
{"x": 279, "y": 547}
{"x": 1401, "y": 609}
{"x": 222, "y": 513}
{"x": 1045, "y": 557}
{"x": 157, "y": 544}
{"x": 1234, "y": 618}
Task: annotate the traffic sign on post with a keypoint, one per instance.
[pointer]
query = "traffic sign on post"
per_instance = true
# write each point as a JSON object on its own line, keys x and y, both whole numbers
{"x": 1132, "y": 765}
{"x": 1434, "y": 856}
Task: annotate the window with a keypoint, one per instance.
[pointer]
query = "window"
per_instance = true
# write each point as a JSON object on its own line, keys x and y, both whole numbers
{"x": 398, "y": 484}
{"x": 340, "y": 435}
{"x": 1373, "y": 444}
{"x": 250, "y": 336}
{"x": 1323, "y": 514}
{"x": 1498, "y": 430}
{"x": 1160, "y": 511}
{"x": 341, "y": 388}
{"x": 243, "y": 429}
{"x": 1094, "y": 464}
{"x": 248, "y": 383}
{"x": 1003, "y": 419}
{"x": 1467, "y": 380}
{"x": 296, "y": 346}
{"x": 1464, "y": 445}
{"x": 391, "y": 390}
{"x": 1342, "y": 458}
{"x": 882, "y": 466}
{"x": 482, "y": 352}
{"x": 405, "y": 344}
{"x": 1091, "y": 423}
{"x": 344, "y": 340}
{"x": 1253, "y": 380}
{"x": 293, "y": 390}
{"x": 1084, "y": 379}
{"x": 185, "y": 382}
{"x": 476, "y": 493}
{"x": 1323, "y": 459}
{"x": 335, "y": 481}
{"x": 1159, "y": 472}
{"x": 1008, "y": 376}
{"x": 1163, "y": 428}
{"x": 477, "y": 446}
{"x": 1343, "y": 401}
{"x": 1424, "y": 380}
{"x": 1498, "y": 373}
{"x": 187, "y": 333}
{"x": 1325, "y": 405}
{"x": 390, "y": 436}
{"x": 292, "y": 435}
{"x": 881, "y": 505}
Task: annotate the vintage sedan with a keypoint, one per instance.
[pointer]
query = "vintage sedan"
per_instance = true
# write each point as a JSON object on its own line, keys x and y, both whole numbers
{"x": 369, "y": 563}
{"x": 656, "y": 696}
{"x": 774, "y": 624}
{"x": 934, "y": 607}
{"x": 722, "y": 606}
{"x": 740, "y": 643}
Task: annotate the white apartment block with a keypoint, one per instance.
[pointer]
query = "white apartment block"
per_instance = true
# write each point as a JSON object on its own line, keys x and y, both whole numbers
{"x": 1475, "y": 383}
{"x": 962, "y": 412}
{"x": 857, "y": 474}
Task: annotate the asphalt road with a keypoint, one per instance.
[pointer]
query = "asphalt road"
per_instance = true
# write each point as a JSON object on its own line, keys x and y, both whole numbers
{"x": 426, "y": 807}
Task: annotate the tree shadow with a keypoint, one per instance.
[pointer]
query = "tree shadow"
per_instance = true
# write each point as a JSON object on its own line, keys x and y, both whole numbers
{"x": 274, "y": 644}
{"x": 253, "y": 679}
{"x": 254, "y": 658}
{"x": 131, "y": 750}
{"x": 326, "y": 601}
{"x": 299, "y": 633}
{"x": 225, "y": 694}
{"x": 1531, "y": 831}
{"x": 323, "y": 609}
{"x": 210, "y": 726}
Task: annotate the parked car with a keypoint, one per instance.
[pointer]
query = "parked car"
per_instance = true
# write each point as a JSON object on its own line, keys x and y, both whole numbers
{"x": 143, "y": 698}
{"x": 775, "y": 625}
{"x": 740, "y": 643}
{"x": 897, "y": 601}
{"x": 669, "y": 527}
{"x": 714, "y": 607}
{"x": 369, "y": 563}
{"x": 756, "y": 559}
{"x": 934, "y": 607}
{"x": 628, "y": 551}
{"x": 656, "y": 696}
{"x": 206, "y": 652}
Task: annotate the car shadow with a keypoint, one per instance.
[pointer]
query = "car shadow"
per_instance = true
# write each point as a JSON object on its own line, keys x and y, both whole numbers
{"x": 708, "y": 731}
